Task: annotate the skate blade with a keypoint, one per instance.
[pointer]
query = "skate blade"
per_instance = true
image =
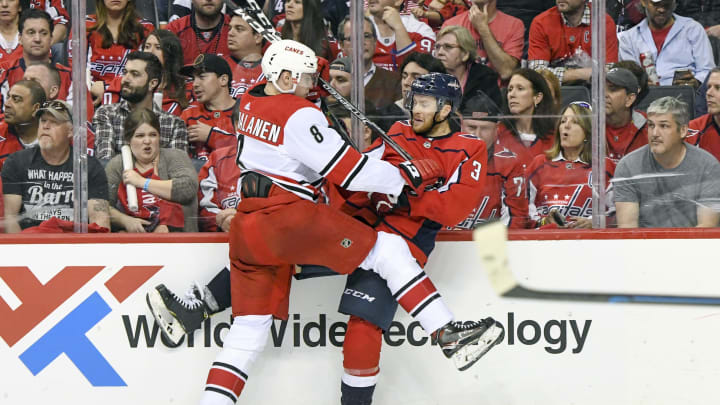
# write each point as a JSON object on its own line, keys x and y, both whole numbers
{"x": 168, "y": 326}
{"x": 469, "y": 354}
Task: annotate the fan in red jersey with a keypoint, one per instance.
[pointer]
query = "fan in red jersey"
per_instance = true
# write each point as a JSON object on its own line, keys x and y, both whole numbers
{"x": 35, "y": 31}
{"x": 219, "y": 191}
{"x": 205, "y": 30}
{"x": 397, "y": 34}
{"x": 560, "y": 182}
{"x": 164, "y": 179}
{"x": 209, "y": 119}
{"x": 529, "y": 131}
{"x": 114, "y": 32}
{"x": 59, "y": 14}
{"x": 246, "y": 49}
{"x": 9, "y": 33}
{"x": 504, "y": 195}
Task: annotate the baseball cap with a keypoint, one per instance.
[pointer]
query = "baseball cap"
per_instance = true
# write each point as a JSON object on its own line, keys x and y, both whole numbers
{"x": 480, "y": 107}
{"x": 59, "y": 109}
{"x": 344, "y": 63}
{"x": 206, "y": 62}
{"x": 624, "y": 78}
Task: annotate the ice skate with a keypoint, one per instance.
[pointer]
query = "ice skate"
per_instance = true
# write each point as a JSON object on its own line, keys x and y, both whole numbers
{"x": 176, "y": 316}
{"x": 466, "y": 342}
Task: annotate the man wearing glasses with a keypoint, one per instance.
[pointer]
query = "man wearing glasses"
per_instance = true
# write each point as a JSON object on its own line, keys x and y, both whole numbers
{"x": 38, "y": 182}
{"x": 382, "y": 86}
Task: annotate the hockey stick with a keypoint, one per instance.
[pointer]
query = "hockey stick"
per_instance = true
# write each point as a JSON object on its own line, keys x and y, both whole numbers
{"x": 491, "y": 240}
{"x": 260, "y": 23}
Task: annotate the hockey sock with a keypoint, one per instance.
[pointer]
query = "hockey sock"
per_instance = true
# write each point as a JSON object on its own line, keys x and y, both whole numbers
{"x": 410, "y": 286}
{"x": 217, "y": 292}
{"x": 361, "y": 359}
{"x": 229, "y": 372}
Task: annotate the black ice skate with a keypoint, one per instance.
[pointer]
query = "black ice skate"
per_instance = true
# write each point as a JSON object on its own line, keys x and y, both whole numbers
{"x": 466, "y": 342}
{"x": 175, "y": 315}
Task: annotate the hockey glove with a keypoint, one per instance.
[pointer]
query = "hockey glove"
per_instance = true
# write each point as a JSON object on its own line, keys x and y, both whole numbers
{"x": 419, "y": 173}
{"x": 384, "y": 204}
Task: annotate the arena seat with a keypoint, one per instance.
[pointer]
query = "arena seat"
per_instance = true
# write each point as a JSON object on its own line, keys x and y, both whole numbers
{"x": 684, "y": 93}
{"x": 569, "y": 94}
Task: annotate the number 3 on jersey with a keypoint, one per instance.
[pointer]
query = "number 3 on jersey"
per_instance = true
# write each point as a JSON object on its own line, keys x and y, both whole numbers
{"x": 316, "y": 134}
{"x": 475, "y": 174}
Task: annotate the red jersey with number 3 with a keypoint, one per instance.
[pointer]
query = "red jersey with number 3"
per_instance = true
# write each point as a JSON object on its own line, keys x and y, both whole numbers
{"x": 463, "y": 158}
{"x": 504, "y": 196}
{"x": 222, "y": 133}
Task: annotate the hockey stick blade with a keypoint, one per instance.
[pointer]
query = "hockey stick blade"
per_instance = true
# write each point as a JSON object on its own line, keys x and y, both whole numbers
{"x": 257, "y": 20}
{"x": 491, "y": 242}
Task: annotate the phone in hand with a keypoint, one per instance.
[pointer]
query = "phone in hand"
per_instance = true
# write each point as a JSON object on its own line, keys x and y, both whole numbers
{"x": 559, "y": 220}
{"x": 682, "y": 75}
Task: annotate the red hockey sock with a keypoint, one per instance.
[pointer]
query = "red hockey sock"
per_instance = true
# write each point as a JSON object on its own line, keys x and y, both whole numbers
{"x": 361, "y": 349}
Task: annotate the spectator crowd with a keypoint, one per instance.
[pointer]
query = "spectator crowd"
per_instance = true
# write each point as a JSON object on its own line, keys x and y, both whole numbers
{"x": 170, "y": 92}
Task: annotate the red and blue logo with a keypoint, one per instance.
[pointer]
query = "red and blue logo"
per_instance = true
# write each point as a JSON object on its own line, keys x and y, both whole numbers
{"x": 67, "y": 336}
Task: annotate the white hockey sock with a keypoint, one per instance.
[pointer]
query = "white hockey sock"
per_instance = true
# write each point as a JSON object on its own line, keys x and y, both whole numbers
{"x": 410, "y": 286}
{"x": 244, "y": 342}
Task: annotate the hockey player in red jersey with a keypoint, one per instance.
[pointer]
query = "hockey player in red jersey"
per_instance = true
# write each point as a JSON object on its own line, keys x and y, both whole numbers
{"x": 287, "y": 154}
{"x": 504, "y": 196}
{"x": 209, "y": 119}
{"x": 432, "y": 134}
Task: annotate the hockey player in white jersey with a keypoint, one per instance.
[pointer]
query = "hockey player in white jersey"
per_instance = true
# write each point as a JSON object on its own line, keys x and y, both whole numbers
{"x": 287, "y": 154}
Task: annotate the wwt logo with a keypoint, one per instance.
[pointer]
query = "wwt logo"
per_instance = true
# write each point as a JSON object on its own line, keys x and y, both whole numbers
{"x": 33, "y": 302}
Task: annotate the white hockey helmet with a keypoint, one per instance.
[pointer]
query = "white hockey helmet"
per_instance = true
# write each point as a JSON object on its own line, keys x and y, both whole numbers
{"x": 296, "y": 58}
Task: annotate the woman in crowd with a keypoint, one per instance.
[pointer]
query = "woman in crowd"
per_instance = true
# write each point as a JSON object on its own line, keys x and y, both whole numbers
{"x": 9, "y": 35}
{"x": 115, "y": 31}
{"x": 304, "y": 23}
{"x": 528, "y": 131}
{"x": 166, "y": 46}
{"x": 560, "y": 181}
{"x": 165, "y": 181}
{"x": 456, "y": 49}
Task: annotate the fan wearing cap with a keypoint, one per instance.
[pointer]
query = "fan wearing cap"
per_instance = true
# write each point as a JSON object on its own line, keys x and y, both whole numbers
{"x": 505, "y": 194}
{"x": 38, "y": 182}
{"x": 625, "y": 127}
{"x": 209, "y": 118}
